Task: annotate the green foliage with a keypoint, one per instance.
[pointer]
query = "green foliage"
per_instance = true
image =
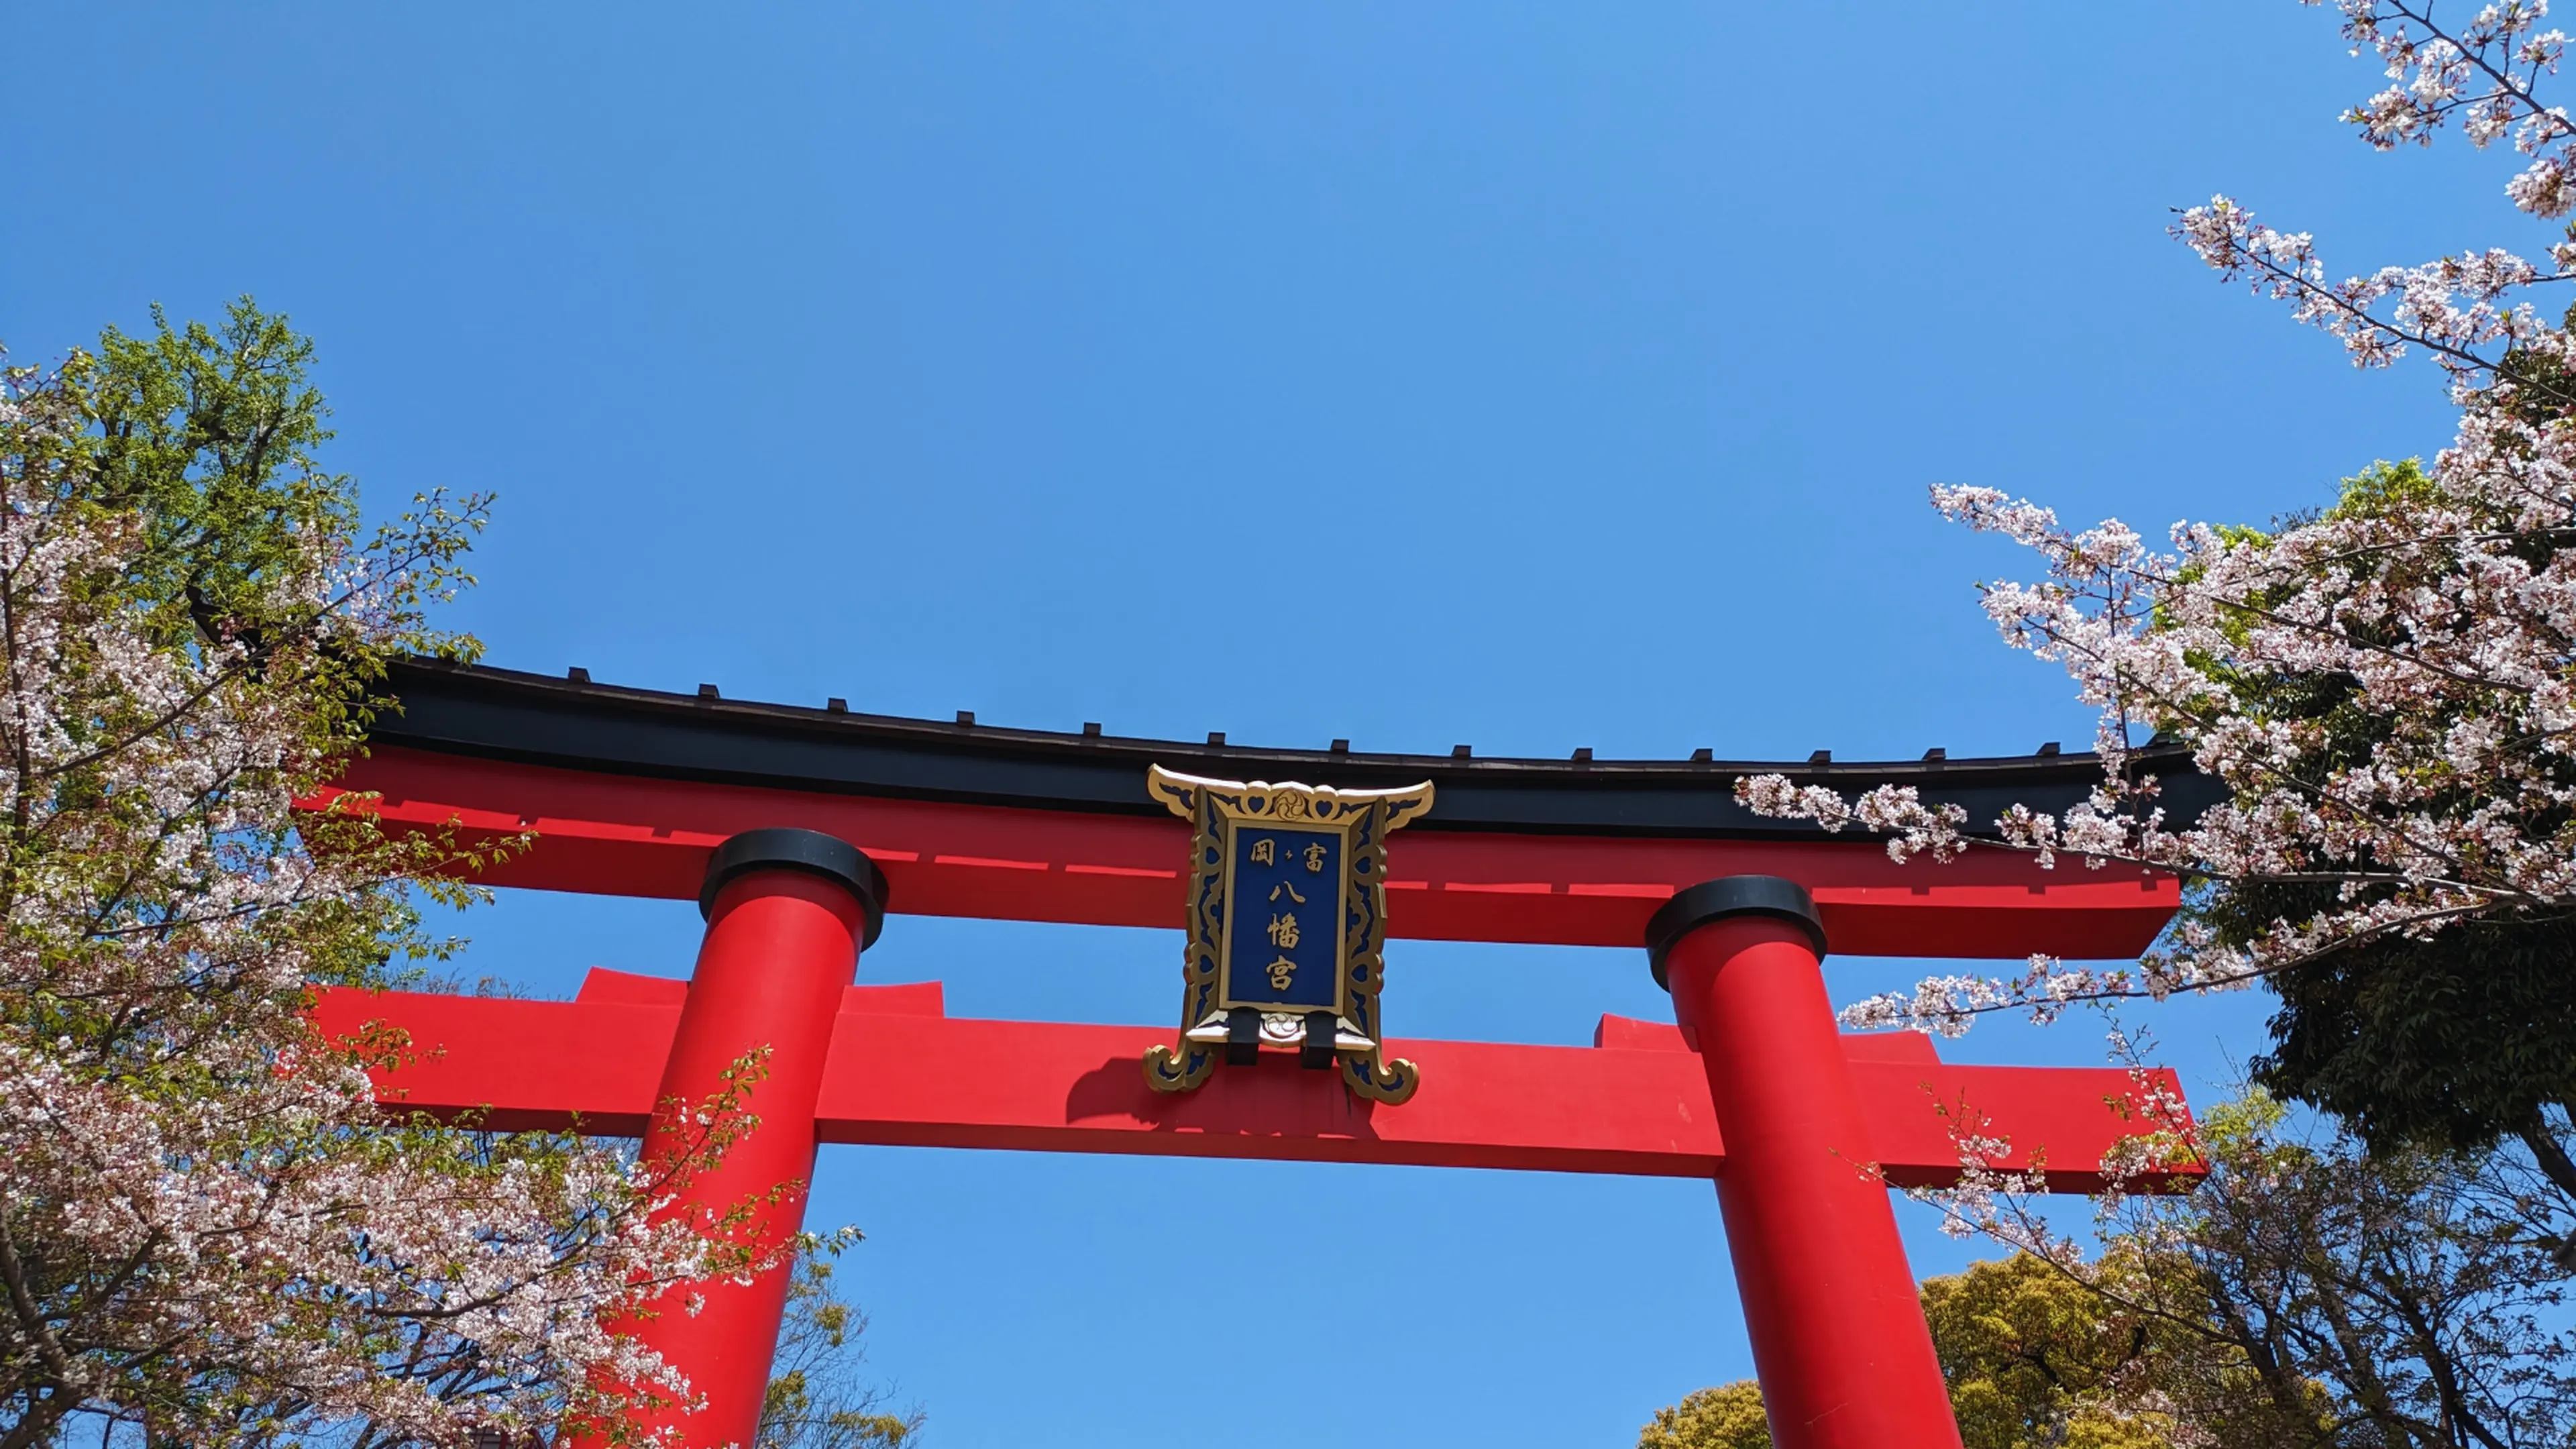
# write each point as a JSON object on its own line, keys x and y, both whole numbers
{"x": 194, "y": 447}
{"x": 1726, "y": 1417}
{"x": 2368, "y": 493}
{"x": 2307, "y": 1295}
{"x": 2315, "y": 1292}
{"x": 817, "y": 1397}
{"x": 2028, "y": 1351}
{"x": 2445, "y": 1043}
{"x": 2373, "y": 491}
{"x": 209, "y": 1233}
{"x": 2030, "y": 1354}
{"x": 2448, "y": 1042}
{"x": 207, "y": 436}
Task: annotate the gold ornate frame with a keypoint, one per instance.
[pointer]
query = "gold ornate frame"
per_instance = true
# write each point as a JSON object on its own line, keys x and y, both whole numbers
{"x": 1364, "y": 818}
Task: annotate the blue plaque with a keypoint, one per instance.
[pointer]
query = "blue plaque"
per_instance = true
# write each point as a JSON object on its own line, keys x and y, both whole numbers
{"x": 1287, "y": 928}
{"x": 1284, "y": 914}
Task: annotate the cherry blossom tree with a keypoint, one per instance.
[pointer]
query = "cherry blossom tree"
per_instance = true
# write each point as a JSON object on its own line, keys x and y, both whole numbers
{"x": 208, "y": 1232}
{"x": 2309, "y": 1294}
{"x": 2386, "y": 687}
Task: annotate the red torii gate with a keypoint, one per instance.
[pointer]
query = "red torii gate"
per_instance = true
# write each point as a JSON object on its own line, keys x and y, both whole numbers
{"x": 797, "y": 829}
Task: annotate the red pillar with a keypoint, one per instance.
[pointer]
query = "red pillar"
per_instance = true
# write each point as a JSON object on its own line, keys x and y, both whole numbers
{"x": 1838, "y": 1333}
{"x": 787, "y": 913}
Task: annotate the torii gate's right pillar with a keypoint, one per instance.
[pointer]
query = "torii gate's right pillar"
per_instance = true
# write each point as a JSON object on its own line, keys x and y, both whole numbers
{"x": 1838, "y": 1334}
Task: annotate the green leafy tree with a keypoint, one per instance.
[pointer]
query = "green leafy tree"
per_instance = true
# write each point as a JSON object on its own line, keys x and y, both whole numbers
{"x": 2446, "y": 1042}
{"x": 1726, "y": 1417}
{"x": 2310, "y": 1293}
{"x": 209, "y": 1233}
{"x": 2449, "y": 1042}
{"x": 2030, "y": 1355}
{"x": 818, "y": 1397}
{"x": 2313, "y": 1292}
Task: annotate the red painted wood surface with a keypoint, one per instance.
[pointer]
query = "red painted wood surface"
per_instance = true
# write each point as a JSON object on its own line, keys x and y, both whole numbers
{"x": 780, "y": 949}
{"x": 1839, "y": 1338}
{"x": 903, "y": 1074}
{"x": 617, "y": 835}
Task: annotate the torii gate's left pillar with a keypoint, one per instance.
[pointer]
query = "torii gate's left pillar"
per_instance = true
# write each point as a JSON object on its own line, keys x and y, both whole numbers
{"x": 787, "y": 912}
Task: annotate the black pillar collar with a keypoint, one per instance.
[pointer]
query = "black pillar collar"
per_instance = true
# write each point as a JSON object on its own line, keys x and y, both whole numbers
{"x": 810, "y": 851}
{"x": 1733, "y": 895}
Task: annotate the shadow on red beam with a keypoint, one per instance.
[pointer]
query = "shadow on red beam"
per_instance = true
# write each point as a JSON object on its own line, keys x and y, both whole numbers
{"x": 611, "y": 835}
{"x": 903, "y": 1075}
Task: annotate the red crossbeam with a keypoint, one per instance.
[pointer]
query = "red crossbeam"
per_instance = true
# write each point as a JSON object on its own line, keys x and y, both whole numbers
{"x": 630, "y": 836}
{"x": 903, "y": 1074}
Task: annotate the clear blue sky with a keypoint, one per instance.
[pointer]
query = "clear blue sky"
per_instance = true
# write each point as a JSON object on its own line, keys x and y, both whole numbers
{"x": 915, "y": 353}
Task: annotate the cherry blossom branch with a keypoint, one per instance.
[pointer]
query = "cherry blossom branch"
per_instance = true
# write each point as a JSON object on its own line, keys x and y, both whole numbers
{"x": 237, "y": 662}
{"x": 2284, "y": 266}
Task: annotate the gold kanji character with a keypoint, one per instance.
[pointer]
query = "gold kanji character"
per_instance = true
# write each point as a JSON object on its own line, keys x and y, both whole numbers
{"x": 1315, "y": 858}
{"x": 1290, "y": 889}
{"x": 1281, "y": 971}
{"x": 1283, "y": 931}
{"x": 1265, "y": 851}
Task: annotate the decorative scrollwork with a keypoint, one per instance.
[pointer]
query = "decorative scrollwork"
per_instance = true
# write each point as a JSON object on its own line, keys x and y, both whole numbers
{"x": 1167, "y": 1069}
{"x": 1364, "y": 952}
{"x": 1361, "y": 819}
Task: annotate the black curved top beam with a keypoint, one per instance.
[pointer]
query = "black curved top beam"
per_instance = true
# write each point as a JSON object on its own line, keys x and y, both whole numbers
{"x": 574, "y": 724}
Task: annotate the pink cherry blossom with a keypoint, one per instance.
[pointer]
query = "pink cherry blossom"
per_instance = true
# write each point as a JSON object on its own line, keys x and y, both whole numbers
{"x": 2446, "y": 606}
{"x": 207, "y": 1225}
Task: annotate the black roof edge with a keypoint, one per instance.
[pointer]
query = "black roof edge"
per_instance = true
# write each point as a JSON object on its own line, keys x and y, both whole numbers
{"x": 573, "y": 723}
